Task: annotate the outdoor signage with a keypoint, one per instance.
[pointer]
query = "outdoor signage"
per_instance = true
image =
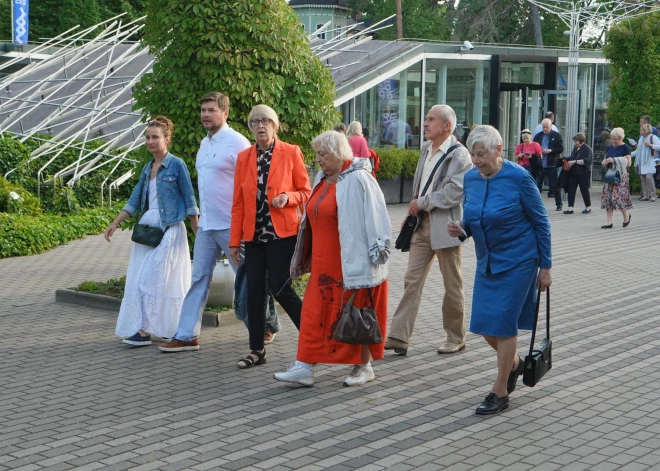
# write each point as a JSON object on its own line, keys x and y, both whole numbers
{"x": 20, "y": 21}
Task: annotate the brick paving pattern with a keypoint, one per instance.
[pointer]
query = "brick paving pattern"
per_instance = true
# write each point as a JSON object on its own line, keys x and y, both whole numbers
{"x": 74, "y": 397}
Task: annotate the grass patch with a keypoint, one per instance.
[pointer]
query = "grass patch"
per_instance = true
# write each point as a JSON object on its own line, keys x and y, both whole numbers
{"x": 113, "y": 288}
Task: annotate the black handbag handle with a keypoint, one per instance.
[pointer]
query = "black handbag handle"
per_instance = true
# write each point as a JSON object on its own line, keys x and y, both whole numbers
{"x": 371, "y": 298}
{"x": 437, "y": 165}
{"x": 536, "y": 318}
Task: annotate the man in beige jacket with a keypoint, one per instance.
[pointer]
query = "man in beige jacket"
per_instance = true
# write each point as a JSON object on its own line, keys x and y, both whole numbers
{"x": 442, "y": 202}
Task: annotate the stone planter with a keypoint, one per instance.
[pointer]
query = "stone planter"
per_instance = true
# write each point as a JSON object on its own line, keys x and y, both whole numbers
{"x": 391, "y": 188}
{"x": 407, "y": 184}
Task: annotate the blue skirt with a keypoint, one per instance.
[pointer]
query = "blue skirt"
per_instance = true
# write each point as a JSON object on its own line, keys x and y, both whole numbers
{"x": 505, "y": 302}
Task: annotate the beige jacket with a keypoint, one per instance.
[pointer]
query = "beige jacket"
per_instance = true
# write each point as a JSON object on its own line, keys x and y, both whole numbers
{"x": 444, "y": 198}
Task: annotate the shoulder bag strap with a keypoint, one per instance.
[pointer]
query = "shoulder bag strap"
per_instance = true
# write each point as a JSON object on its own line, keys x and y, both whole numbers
{"x": 437, "y": 165}
{"x": 536, "y": 318}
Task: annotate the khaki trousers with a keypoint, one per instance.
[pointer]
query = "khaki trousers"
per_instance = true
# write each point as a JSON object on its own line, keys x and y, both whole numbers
{"x": 419, "y": 263}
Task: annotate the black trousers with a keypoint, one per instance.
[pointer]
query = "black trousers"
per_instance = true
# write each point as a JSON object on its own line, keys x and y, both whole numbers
{"x": 267, "y": 267}
{"x": 583, "y": 182}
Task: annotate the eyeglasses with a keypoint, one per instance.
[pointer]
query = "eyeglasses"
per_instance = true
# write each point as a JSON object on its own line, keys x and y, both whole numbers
{"x": 256, "y": 122}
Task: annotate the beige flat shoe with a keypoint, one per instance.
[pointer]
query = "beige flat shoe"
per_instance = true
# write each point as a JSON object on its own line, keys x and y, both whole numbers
{"x": 451, "y": 347}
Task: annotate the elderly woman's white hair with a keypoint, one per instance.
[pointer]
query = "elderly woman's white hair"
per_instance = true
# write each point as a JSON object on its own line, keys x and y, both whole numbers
{"x": 264, "y": 111}
{"x": 486, "y": 135}
{"x": 617, "y": 132}
{"x": 354, "y": 129}
{"x": 334, "y": 143}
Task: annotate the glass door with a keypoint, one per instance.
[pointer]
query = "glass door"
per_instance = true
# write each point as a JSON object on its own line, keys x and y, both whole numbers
{"x": 512, "y": 104}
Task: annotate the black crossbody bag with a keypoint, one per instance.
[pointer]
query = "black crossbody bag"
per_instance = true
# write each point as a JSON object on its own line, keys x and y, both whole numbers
{"x": 539, "y": 360}
{"x": 412, "y": 222}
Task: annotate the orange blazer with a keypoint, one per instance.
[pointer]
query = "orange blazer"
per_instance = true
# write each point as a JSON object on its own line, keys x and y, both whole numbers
{"x": 287, "y": 174}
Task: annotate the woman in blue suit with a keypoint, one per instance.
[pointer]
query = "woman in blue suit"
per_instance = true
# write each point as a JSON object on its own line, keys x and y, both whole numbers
{"x": 505, "y": 215}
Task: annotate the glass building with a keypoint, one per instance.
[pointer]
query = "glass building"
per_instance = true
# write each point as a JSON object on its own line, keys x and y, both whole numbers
{"x": 389, "y": 87}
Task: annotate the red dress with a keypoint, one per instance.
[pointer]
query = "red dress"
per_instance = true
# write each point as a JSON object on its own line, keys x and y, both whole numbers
{"x": 322, "y": 303}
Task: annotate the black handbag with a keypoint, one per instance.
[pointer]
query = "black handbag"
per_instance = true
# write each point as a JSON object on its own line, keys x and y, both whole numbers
{"x": 358, "y": 325}
{"x": 412, "y": 222}
{"x": 147, "y": 235}
{"x": 613, "y": 176}
{"x": 539, "y": 360}
{"x": 405, "y": 236}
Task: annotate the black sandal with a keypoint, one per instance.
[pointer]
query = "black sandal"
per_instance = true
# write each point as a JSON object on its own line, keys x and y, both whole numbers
{"x": 249, "y": 360}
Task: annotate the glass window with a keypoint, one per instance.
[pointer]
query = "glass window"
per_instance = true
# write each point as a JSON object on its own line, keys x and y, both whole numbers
{"x": 461, "y": 84}
{"x": 522, "y": 72}
{"x": 390, "y": 112}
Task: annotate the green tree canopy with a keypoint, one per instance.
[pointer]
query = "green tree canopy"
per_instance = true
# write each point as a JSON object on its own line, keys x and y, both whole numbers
{"x": 633, "y": 50}
{"x": 494, "y": 21}
{"x": 422, "y": 19}
{"x": 254, "y": 51}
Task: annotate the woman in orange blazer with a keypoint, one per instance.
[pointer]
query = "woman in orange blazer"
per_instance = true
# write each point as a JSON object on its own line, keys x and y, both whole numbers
{"x": 271, "y": 186}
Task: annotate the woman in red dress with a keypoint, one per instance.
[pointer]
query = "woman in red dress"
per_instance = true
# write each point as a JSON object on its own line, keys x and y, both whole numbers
{"x": 345, "y": 240}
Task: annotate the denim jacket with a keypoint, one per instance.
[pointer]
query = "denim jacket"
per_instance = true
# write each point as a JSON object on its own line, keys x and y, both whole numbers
{"x": 176, "y": 198}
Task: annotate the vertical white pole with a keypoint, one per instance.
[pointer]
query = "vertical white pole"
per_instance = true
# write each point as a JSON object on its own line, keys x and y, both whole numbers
{"x": 478, "y": 95}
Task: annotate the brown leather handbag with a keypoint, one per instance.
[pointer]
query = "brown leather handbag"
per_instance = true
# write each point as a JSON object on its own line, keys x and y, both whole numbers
{"x": 566, "y": 166}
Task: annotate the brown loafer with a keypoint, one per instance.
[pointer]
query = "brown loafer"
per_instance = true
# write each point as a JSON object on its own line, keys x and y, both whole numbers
{"x": 449, "y": 347}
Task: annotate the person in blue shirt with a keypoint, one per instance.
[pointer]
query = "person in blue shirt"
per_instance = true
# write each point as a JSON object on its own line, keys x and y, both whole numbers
{"x": 505, "y": 215}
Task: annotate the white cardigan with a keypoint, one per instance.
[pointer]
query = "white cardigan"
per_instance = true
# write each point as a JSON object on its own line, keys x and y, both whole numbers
{"x": 644, "y": 161}
{"x": 364, "y": 229}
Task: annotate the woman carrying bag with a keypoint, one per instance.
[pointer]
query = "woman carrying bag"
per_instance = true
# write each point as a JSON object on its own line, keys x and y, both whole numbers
{"x": 647, "y": 147}
{"x": 159, "y": 271}
{"x": 578, "y": 169}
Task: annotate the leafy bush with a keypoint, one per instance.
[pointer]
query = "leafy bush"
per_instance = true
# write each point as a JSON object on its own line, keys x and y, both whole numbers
{"x": 87, "y": 190}
{"x": 17, "y": 200}
{"x": 635, "y": 182}
{"x": 29, "y": 235}
{"x": 409, "y": 159}
{"x": 65, "y": 201}
{"x": 391, "y": 163}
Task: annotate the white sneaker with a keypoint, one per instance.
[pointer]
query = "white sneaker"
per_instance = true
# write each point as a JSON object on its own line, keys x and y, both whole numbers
{"x": 360, "y": 374}
{"x": 298, "y": 373}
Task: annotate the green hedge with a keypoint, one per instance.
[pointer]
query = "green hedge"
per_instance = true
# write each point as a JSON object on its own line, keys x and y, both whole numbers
{"x": 395, "y": 162}
{"x": 17, "y": 200}
{"x": 29, "y": 235}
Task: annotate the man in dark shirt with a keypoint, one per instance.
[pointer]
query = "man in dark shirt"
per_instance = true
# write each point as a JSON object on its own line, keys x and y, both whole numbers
{"x": 552, "y": 146}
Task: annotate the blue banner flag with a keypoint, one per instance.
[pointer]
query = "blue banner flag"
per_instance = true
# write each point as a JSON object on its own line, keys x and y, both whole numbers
{"x": 20, "y": 21}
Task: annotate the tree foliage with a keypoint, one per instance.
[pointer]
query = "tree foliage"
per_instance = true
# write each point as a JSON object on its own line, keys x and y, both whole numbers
{"x": 255, "y": 51}
{"x": 494, "y": 21}
{"x": 422, "y": 19}
{"x": 48, "y": 18}
{"x": 633, "y": 50}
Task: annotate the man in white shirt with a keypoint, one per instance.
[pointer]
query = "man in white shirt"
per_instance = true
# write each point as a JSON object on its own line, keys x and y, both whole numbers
{"x": 549, "y": 115}
{"x": 216, "y": 165}
{"x": 441, "y": 203}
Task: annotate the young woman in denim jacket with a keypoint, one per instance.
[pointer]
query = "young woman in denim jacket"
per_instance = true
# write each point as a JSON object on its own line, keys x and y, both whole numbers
{"x": 158, "y": 277}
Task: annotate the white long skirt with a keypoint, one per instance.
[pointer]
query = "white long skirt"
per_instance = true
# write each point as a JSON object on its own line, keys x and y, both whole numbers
{"x": 156, "y": 282}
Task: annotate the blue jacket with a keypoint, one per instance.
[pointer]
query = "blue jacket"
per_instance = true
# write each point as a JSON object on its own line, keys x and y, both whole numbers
{"x": 176, "y": 198}
{"x": 507, "y": 219}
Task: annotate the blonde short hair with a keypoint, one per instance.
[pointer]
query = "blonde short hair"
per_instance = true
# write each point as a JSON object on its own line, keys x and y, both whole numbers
{"x": 335, "y": 144}
{"x": 354, "y": 129}
{"x": 647, "y": 128}
{"x": 617, "y": 132}
{"x": 264, "y": 111}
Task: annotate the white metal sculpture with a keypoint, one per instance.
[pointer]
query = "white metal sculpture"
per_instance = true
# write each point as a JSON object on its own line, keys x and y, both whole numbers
{"x": 596, "y": 15}
{"x": 78, "y": 90}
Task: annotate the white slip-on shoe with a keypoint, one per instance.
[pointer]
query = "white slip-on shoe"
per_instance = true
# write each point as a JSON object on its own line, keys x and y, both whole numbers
{"x": 360, "y": 374}
{"x": 298, "y": 373}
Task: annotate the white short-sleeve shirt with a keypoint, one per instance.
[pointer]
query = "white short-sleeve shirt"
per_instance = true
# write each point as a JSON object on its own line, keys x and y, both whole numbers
{"x": 216, "y": 166}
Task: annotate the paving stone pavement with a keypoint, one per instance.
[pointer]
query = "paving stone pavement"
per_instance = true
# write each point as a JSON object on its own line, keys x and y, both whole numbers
{"x": 74, "y": 397}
